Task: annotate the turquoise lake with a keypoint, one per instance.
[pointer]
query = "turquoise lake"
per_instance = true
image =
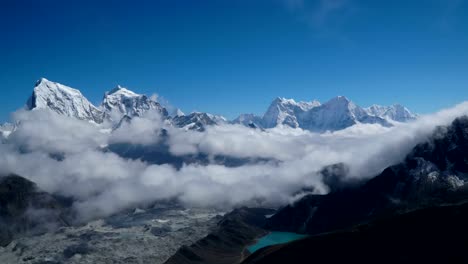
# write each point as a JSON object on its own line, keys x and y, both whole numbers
{"x": 275, "y": 238}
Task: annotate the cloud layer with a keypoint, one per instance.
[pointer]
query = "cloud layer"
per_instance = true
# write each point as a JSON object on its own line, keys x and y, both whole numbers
{"x": 68, "y": 157}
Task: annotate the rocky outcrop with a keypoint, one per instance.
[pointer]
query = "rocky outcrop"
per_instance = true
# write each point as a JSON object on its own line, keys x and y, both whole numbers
{"x": 26, "y": 209}
{"x": 228, "y": 242}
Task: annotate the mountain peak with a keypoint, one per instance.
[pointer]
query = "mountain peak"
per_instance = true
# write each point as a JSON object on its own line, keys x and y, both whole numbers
{"x": 63, "y": 100}
{"x": 120, "y": 102}
{"x": 177, "y": 112}
{"x": 121, "y": 90}
{"x": 41, "y": 80}
{"x": 339, "y": 99}
{"x": 395, "y": 112}
{"x": 284, "y": 100}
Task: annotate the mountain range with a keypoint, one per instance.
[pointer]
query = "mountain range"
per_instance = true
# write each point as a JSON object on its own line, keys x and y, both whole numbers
{"x": 121, "y": 103}
{"x": 413, "y": 210}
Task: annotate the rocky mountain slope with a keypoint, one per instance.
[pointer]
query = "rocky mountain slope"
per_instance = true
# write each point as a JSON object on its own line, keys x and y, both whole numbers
{"x": 26, "y": 209}
{"x": 434, "y": 173}
{"x": 120, "y": 102}
{"x": 63, "y": 100}
{"x": 410, "y": 212}
{"x": 226, "y": 244}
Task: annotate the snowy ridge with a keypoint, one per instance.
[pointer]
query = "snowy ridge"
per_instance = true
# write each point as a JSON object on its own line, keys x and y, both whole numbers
{"x": 195, "y": 121}
{"x": 248, "y": 120}
{"x": 394, "y": 112}
{"x": 338, "y": 113}
{"x": 121, "y": 105}
{"x": 218, "y": 119}
{"x": 63, "y": 100}
{"x": 121, "y": 102}
{"x": 284, "y": 111}
{"x": 177, "y": 112}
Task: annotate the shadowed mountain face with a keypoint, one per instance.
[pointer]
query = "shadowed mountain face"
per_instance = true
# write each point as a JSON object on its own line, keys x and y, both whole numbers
{"x": 227, "y": 243}
{"x": 431, "y": 235}
{"x": 433, "y": 173}
{"x": 414, "y": 212}
{"x": 159, "y": 153}
{"x": 24, "y": 208}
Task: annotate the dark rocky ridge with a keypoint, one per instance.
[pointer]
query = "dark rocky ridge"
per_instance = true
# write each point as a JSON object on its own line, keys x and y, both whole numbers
{"x": 430, "y": 235}
{"x": 432, "y": 174}
{"x": 227, "y": 244}
{"x": 26, "y": 209}
{"x": 414, "y": 212}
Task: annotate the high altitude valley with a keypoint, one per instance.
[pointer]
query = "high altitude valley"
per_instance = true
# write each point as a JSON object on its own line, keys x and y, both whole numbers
{"x": 233, "y": 132}
{"x": 128, "y": 181}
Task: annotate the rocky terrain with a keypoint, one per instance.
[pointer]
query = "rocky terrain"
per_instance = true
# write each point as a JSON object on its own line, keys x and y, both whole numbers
{"x": 139, "y": 236}
{"x": 434, "y": 173}
{"x": 25, "y": 209}
{"x": 227, "y": 243}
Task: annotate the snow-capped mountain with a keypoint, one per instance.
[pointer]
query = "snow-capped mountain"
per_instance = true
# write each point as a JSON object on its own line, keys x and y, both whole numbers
{"x": 63, "y": 100}
{"x": 394, "y": 112}
{"x": 176, "y": 112}
{"x": 218, "y": 119}
{"x": 336, "y": 114}
{"x": 286, "y": 111}
{"x": 194, "y": 121}
{"x": 249, "y": 120}
{"x": 121, "y": 102}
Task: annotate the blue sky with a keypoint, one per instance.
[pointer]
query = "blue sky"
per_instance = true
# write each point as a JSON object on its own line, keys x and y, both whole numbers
{"x": 228, "y": 57}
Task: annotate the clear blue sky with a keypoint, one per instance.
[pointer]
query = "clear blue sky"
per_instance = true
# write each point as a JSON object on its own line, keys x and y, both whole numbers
{"x": 228, "y": 57}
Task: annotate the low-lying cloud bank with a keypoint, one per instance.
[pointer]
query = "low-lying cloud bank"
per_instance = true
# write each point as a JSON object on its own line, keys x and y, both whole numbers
{"x": 65, "y": 156}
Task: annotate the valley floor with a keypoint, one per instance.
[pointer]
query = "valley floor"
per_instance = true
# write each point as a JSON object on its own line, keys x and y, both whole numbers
{"x": 150, "y": 236}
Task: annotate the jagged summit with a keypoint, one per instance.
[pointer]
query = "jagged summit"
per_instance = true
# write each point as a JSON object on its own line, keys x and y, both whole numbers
{"x": 177, "y": 112}
{"x": 120, "y": 102}
{"x": 116, "y": 104}
{"x": 121, "y": 90}
{"x": 340, "y": 102}
{"x": 284, "y": 111}
{"x": 395, "y": 112}
{"x": 194, "y": 121}
{"x": 63, "y": 100}
{"x": 42, "y": 79}
{"x": 337, "y": 113}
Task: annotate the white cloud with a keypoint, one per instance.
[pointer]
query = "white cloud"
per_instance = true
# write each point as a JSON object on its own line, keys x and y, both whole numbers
{"x": 103, "y": 183}
{"x": 141, "y": 130}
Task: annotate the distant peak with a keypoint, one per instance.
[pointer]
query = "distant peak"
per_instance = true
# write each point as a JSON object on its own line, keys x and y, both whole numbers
{"x": 116, "y": 89}
{"x": 284, "y": 100}
{"x": 340, "y": 97}
{"x": 178, "y": 112}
